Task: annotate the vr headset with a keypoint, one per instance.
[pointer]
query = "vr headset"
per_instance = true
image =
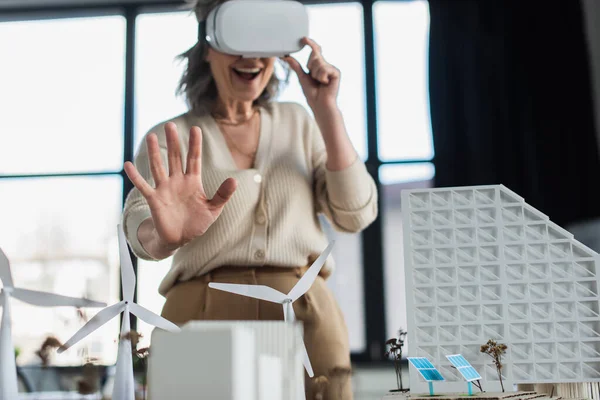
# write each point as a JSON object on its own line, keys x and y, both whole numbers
{"x": 256, "y": 28}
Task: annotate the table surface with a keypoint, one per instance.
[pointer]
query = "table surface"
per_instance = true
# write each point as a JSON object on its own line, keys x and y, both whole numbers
{"x": 59, "y": 396}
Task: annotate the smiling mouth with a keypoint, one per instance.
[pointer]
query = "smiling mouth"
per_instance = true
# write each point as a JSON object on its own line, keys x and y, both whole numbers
{"x": 248, "y": 74}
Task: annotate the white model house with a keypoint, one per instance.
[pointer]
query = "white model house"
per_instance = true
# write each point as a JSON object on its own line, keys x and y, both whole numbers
{"x": 228, "y": 360}
{"x": 482, "y": 264}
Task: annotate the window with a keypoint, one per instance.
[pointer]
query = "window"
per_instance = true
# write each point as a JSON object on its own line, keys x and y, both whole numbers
{"x": 156, "y": 101}
{"x": 394, "y": 179}
{"x": 62, "y": 112}
{"x": 342, "y": 47}
{"x": 401, "y": 43}
{"x": 160, "y": 38}
{"x": 404, "y": 131}
{"x": 62, "y": 95}
{"x": 60, "y": 236}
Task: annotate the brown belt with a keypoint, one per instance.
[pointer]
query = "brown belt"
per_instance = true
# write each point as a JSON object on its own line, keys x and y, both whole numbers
{"x": 241, "y": 270}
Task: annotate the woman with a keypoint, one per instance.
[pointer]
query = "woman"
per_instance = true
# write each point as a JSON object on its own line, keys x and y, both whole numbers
{"x": 243, "y": 207}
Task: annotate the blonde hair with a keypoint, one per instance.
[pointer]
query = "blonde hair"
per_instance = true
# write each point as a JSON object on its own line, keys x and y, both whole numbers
{"x": 197, "y": 83}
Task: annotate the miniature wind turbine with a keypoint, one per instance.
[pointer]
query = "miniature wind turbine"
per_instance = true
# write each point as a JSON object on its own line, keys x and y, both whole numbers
{"x": 427, "y": 371}
{"x": 8, "y": 367}
{"x": 267, "y": 293}
{"x": 466, "y": 370}
{"x": 124, "y": 384}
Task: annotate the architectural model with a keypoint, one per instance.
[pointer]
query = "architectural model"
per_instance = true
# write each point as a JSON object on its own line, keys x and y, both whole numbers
{"x": 228, "y": 360}
{"x": 481, "y": 264}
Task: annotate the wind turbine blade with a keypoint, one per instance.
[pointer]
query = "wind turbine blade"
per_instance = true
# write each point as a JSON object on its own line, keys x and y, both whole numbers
{"x": 5, "y": 275}
{"x": 309, "y": 277}
{"x": 260, "y": 292}
{"x": 127, "y": 274}
{"x": 96, "y": 322}
{"x": 152, "y": 319}
{"x": 305, "y": 359}
{"x": 52, "y": 300}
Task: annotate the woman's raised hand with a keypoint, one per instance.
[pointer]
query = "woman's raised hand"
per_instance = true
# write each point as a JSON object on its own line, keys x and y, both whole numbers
{"x": 178, "y": 204}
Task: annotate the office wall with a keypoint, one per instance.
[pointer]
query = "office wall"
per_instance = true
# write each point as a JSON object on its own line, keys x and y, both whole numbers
{"x": 592, "y": 21}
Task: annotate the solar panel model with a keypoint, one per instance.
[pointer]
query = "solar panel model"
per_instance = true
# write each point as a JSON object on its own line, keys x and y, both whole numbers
{"x": 465, "y": 369}
{"x": 427, "y": 371}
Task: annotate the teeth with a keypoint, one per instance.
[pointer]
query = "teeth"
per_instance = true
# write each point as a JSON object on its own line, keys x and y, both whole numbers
{"x": 248, "y": 70}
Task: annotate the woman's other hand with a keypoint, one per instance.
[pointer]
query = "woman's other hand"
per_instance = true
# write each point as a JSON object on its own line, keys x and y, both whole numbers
{"x": 179, "y": 206}
{"x": 321, "y": 84}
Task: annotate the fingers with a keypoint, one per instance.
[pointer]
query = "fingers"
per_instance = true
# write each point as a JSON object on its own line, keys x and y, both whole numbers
{"x": 156, "y": 164}
{"x": 224, "y": 193}
{"x": 194, "y": 158}
{"x": 313, "y": 45}
{"x": 319, "y": 69}
{"x": 138, "y": 180}
{"x": 295, "y": 66}
{"x": 316, "y": 55}
{"x": 324, "y": 73}
{"x": 173, "y": 149}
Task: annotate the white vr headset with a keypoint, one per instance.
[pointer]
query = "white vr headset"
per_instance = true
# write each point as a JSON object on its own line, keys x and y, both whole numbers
{"x": 256, "y": 28}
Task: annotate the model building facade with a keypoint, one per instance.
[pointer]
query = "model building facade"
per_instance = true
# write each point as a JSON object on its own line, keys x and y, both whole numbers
{"x": 481, "y": 264}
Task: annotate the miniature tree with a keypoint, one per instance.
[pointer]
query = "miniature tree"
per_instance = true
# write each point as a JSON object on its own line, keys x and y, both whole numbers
{"x": 394, "y": 351}
{"x": 87, "y": 383}
{"x": 46, "y": 350}
{"x": 495, "y": 350}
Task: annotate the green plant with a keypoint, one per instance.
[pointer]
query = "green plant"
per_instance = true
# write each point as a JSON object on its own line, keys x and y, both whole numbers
{"x": 17, "y": 352}
{"x": 394, "y": 351}
{"x": 495, "y": 350}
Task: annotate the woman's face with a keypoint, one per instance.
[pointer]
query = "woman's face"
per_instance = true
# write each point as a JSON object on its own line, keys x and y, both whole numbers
{"x": 237, "y": 78}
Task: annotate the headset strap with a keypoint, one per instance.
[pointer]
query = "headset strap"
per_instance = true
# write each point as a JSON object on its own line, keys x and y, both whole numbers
{"x": 202, "y": 31}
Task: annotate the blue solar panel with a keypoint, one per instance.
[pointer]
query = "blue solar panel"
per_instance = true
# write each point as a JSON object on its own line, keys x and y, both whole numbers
{"x": 426, "y": 369}
{"x": 463, "y": 366}
{"x": 432, "y": 375}
{"x": 469, "y": 373}
{"x": 458, "y": 361}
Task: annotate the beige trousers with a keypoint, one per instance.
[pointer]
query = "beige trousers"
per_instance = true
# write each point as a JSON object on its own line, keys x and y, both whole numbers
{"x": 325, "y": 332}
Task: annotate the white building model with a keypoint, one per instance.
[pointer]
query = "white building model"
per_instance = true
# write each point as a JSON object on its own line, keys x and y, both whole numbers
{"x": 482, "y": 264}
{"x": 229, "y": 360}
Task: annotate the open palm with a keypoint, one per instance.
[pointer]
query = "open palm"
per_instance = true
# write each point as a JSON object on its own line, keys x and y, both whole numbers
{"x": 180, "y": 209}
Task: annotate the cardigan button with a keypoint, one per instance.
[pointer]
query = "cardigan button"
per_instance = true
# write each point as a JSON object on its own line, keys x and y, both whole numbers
{"x": 260, "y": 218}
{"x": 259, "y": 254}
{"x": 257, "y": 178}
